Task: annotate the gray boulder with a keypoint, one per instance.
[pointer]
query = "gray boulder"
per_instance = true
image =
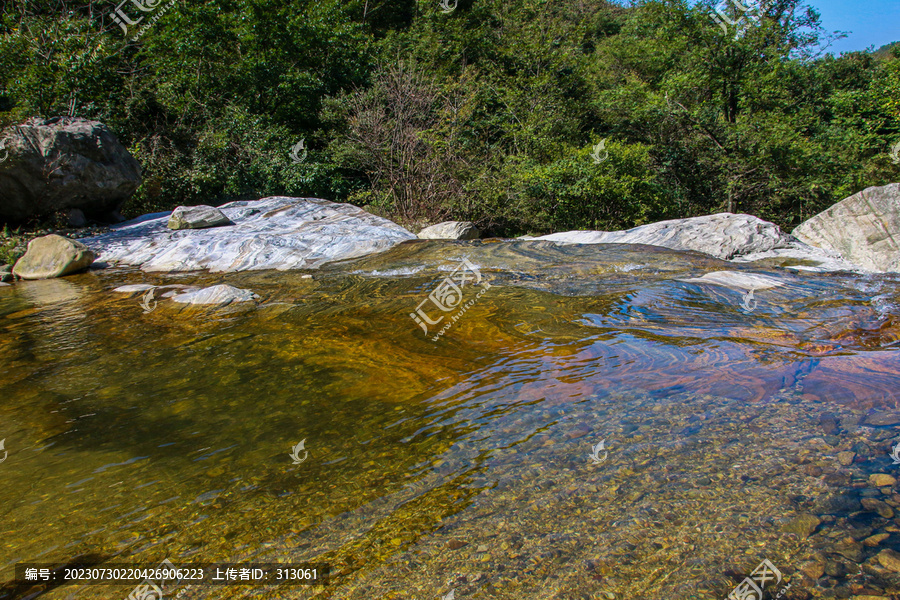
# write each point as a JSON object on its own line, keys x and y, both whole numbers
{"x": 739, "y": 238}
{"x": 863, "y": 229}
{"x": 273, "y": 233}
{"x": 63, "y": 163}
{"x": 450, "y": 230}
{"x": 722, "y": 235}
{"x": 197, "y": 217}
{"x": 53, "y": 256}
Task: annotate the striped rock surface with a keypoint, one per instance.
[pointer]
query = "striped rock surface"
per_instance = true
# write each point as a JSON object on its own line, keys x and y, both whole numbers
{"x": 273, "y": 233}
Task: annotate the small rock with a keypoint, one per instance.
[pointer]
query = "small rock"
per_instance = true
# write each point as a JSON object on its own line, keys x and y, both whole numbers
{"x": 889, "y": 559}
{"x": 828, "y": 423}
{"x": 482, "y": 548}
{"x": 53, "y": 256}
{"x": 882, "y": 419}
{"x": 75, "y": 217}
{"x": 846, "y": 458}
{"x": 217, "y": 294}
{"x": 881, "y": 480}
{"x": 803, "y": 525}
{"x": 133, "y": 289}
{"x": 813, "y": 569}
{"x": 869, "y": 598}
{"x": 2, "y": 284}
{"x": 850, "y": 550}
{"x": 873, "y": 505}
{"x": 455, "y": 544}
{"x": 197, "y": 217}
{"x": 876, "y": 539}
{"x": 450, "y": 230}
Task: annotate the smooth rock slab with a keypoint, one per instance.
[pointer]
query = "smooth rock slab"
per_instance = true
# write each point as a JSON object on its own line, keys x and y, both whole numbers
{"x": 53, "y": 256}
{"x": 273, "y": 233}
{"x": 197, "y": 217}
{"x": 451, "y": 230}
{"x": 864, "y": 229}
{"x": 218, "y": 294}
{"x": 722, "y": 235}
{"x": 737, "y": 280}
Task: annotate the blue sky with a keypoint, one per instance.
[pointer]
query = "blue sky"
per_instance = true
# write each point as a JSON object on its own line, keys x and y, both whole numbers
{"x": 869, "y": 22}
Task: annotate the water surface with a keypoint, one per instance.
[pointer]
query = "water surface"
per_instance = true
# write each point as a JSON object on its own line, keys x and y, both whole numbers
{"x": 462, "y": 464}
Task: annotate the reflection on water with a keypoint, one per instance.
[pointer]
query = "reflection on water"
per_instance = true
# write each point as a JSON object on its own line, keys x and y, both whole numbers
{"x": 463, "y": 464}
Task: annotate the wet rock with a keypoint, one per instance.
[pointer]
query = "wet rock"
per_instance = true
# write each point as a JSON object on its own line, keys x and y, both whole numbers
{"x": 451, "y": 230}
{"x": 6, "y": 273}
{"x": 91, "y": 170}
{"x": 881, "y": 480}
{"x": 828, "y": 423}
{"x": 53, "y": 256}
{"x": 863, "y": 228}
{"x": 803, "y": 525}
{"x": 221, "y": 295}
{"x": 273, "y": 233}
{"x": 836, "y": 568}
{"x": 889, "y": 559}
{"x": 813, "y": 569}
{"x": 455, "y": 544}
{"x": 850, "y": 550}
{"x": 134, "y": 289}
{"x": 737, "y": 280}
{"x": 882, "y": 419}
{"x": 878, "y": 506}
{"x": 197, "y": 217}
{"x": 876, "y": 539}
{"x": 846, "y": 458}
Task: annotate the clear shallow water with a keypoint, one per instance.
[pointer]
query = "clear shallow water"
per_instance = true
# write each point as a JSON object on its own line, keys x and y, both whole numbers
{"x": 461, "y": 464}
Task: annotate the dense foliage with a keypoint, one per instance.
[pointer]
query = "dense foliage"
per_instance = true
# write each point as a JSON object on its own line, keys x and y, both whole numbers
{"x": 490, "y": 112}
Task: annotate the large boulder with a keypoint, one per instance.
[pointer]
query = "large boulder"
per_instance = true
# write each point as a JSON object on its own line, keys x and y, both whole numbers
{"x": 273, "y": 233}
{"x": 64, "y": 163}
{"x": 740, "y": 238}
{"x": 197, "y": 217}
{"x": 450, "y": 230}
{"x": 722, "y": 235}
{"x": 863, "y": 229}
{"x": 53, "y": 256}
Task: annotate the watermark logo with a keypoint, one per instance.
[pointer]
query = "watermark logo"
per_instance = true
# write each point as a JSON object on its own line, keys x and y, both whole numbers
{"x": 748, "y": 303}
{"x": 751, "y": 588}
{"x": 3, "y": 449}
{"x": 601, "y": 147}
{"x": 148, "y": 590}
{"x": 295, "y": 452}
{"x": 446, "y": 8}
{"x": 147, "y": 299}
{"x": 895, "y": 453}
{"x": 744, "y": 12}
{"x": 895, "y": 154}
{"x": 448, "y": 296}
{"x": 4, "y": 151}
{"x": 145, "y": 6}
{"x": 595, "y": 453}
{"x": 296, "y": 151}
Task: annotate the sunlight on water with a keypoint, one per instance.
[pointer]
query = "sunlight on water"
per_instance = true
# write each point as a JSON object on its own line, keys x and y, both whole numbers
{"x": 461, "y": 464}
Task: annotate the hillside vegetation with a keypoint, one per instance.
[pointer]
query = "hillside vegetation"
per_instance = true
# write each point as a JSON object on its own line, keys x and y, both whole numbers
{"x": 491, "y": 112}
